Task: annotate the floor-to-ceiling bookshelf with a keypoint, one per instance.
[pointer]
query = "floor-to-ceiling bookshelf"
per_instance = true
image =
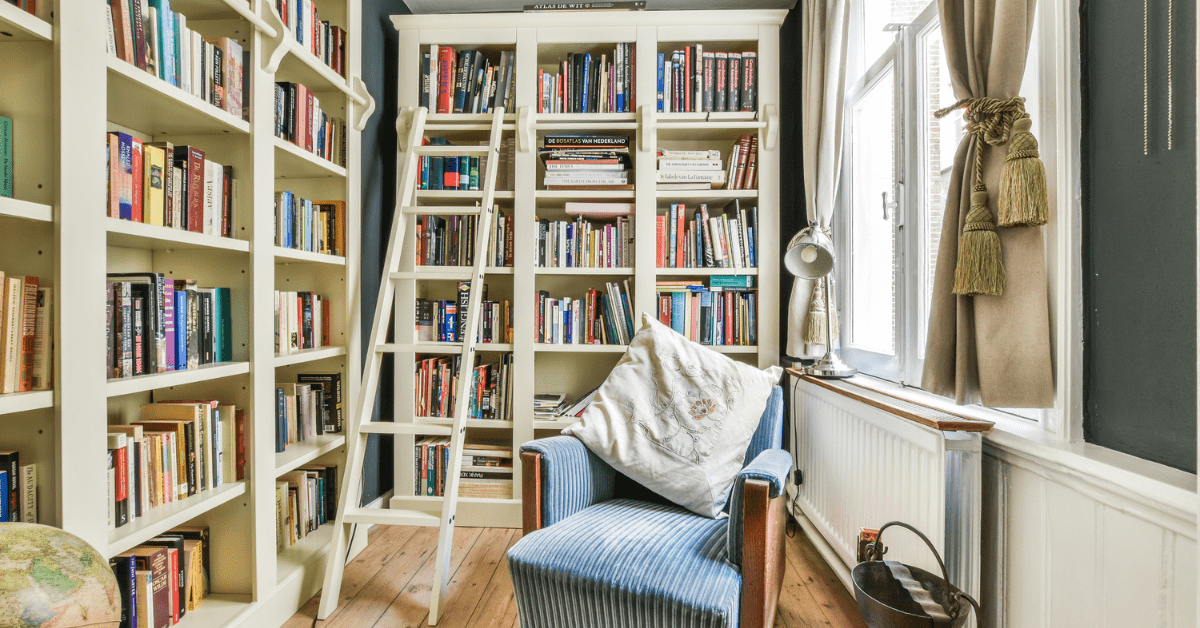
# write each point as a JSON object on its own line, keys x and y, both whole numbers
{"x": 65, "y": 93}
{"x": 540, "y": 41}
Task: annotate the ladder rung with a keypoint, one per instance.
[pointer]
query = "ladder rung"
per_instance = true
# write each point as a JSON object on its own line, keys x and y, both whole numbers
{"x": 448, "y": 348}
{"x": 453, "y": 150}
{"x": 388, "y": 427}
{"x": 385, "y": 516}
{"x": 442, "y": 210}
{"x": 444, "y": 275}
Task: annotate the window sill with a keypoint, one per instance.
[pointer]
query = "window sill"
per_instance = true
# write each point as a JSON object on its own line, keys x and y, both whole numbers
{"x": 1023, "y": 443}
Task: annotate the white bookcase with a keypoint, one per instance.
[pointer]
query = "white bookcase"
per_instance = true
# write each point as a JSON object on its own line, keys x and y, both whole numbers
{"x": 541, "y": 40}
{"x": 64, "y": 93}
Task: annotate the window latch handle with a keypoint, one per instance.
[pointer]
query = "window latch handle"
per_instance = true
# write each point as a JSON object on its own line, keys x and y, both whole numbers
{"x": 886, "y": 205}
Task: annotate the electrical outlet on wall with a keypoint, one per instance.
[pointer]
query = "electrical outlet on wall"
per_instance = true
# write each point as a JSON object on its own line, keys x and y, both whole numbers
{"x": 866, "y": 536}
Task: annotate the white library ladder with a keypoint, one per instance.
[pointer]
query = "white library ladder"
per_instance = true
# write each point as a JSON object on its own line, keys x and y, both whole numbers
{"x": 349, "y": 513}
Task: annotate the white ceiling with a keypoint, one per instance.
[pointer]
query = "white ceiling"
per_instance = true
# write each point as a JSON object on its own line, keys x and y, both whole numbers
{"x": 503, "y": 6}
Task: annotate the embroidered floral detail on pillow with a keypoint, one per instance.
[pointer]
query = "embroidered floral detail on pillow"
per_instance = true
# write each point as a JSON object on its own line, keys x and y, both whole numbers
{"x": 690, "y": 406}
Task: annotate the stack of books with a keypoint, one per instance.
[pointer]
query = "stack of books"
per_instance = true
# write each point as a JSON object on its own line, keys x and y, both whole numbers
{"x": 450, "y": 240}
{"x": 466, "y": 81}
{"x": 307, "y": 408}
{"x": 446, "y": 321}
{"x": 165, "y": 578}
{"x": 300, "y": 120}
{"x": 436, "y": 387}
{"x": 18, "y": 489}
{"x": 723, "y": 313}
{"x": 692, "y": 79}
{"x": 556, "y": 406}
{"x": 175, "y": 450}
{"x": 161, "y": 184}
{"x": 604, "y": 318}
{"x": 301, "y": 321}
{"x": 156, "y": 39}
{"x": 305, "y": 499}
{"x": 585, "y": 244}
{"x": 306, "y": 225}
{"x": 318, "y": 37}
{"x": 156, "y": 325}
{"x": 690, "y": 170}
{"x": 26, "y": 334}
{"x": 588, "y": 83}
{"x": 587, "y": 162}
{"x": 486, "y": 470}
{"x": 728, "y": 240}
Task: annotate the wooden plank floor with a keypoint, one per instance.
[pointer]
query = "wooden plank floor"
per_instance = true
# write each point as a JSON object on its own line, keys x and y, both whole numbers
{"x": 388, "y": 584}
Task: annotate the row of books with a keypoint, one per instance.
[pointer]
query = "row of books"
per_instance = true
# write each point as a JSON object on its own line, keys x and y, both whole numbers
{"x": 156, "y": 39}
{"x": 588, "y": 83}
{"x": 305, "y": 499}
{"x": 465, "y": 172}
{"x": 164, "y": 578}
{"x": 307, "y": 225}
{"x": 466, "y": 81}
{"x": 723, "y": 313}
{"x": 743, "y": 164}
{"x": 26, "y": 334}
{"x": 307, "y": 408}
{"x": 586, "y": 162}
{"x": 600, "y": 317}
{"x": 301, "y": 321}
{"x": 317, "y": 36}
{"x": 436, "y": 388}
{"x": 486, "y": 470}
{"x": 300, "y": 120}
{"x": 161, "y": 184}
{"x": 556, "y": 406}
{"x": 584, "y": 244}
{"x": 18, "y": 489}
{"x": 728, "y": 240}
{"x": 156, "y": 325}
{"x": 175, "y": 450}
{"x": 690, "y": 170}
{"x": 450, "y": 240}
{"x": 446, "y": 321}
{"x": 7, "y": 167}
{"x": 692, "y": 79}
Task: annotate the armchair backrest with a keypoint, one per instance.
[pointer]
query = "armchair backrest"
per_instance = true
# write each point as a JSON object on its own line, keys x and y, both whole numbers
{"x": 769, "y": 434}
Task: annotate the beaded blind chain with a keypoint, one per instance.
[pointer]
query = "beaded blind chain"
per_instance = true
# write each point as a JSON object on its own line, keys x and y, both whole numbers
{"x": 1146, "y": 76}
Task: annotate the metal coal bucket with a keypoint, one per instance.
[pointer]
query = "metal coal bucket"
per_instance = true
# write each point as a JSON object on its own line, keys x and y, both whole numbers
{"x": 894, "y": 595}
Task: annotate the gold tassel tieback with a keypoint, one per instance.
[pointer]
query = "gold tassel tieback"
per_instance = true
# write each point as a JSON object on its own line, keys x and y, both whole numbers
{"x": 814, "y": 334}
{"x": 980, "y": 269}
{"x": 1023, "y": 198}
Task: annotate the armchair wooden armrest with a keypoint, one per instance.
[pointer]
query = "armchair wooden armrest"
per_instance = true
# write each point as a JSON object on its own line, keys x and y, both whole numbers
{"x": 762, "y": 554}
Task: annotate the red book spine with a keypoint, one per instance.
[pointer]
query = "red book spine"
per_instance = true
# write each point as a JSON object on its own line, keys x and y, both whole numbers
{"x": 688, "y": 78}
{"x": 445, "y": 89}
{"x": 313, "y": 114}
{"x": 664, "y": 310}
{"x": 728, "y": 306}
{"x": 28, "y": 328}
{"x": 120, "y": 465}
{"x": 195, "y": 174}
{"x": 138, "y": 181}
{"x": 173, "y": 584}
{"x": 114, "y": 176}
{"x": 660, "y": 225}
{"x": 541, "y": 106}
{"x": 751, "y": 182}
{"x": 241, "y": 444}
{"x": 680, "y": 239}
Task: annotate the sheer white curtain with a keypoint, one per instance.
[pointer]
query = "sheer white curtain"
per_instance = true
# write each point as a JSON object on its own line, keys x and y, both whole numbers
{"x": 824, "y": 28}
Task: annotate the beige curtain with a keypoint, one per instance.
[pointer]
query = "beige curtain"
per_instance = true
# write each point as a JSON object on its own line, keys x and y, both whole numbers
{"x": 824, "y": 26}
{"x": 994, "y": 350}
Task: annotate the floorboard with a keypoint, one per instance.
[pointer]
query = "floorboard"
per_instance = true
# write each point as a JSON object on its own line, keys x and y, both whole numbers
{"x": 388, "y": 584}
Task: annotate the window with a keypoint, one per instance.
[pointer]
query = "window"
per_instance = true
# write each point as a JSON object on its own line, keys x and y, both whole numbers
{"x": 897, "y": 164}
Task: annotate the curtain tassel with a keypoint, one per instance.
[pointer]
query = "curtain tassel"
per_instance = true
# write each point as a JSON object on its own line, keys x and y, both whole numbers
{"x": 980, "y": 269}
{"x": 814, "y": 333}
{"x": 1023, "y": 197}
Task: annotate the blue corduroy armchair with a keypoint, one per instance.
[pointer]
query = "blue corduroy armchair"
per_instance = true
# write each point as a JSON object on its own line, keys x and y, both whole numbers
{"x": 600, "y": 550}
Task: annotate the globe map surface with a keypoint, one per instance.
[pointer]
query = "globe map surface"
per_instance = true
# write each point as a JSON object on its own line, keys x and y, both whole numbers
{"x": 51, "y": 579}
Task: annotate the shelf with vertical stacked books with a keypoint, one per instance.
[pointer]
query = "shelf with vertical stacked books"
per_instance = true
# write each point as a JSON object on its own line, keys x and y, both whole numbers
{"x": 164, "y": 109}
{"x": 295, "y": 256}
{"x": 302, "y": 453}
{"x": 12, "y": 403}
{"x": 146, "y": 383}
{"x": 167, "y": 516}
{"x": 24, "y": 210}
{"x": 293, "y": 162}
{"x": 139, "y": 235}
{"x": 308, "y": 355}
{"x": 542, "y": 43}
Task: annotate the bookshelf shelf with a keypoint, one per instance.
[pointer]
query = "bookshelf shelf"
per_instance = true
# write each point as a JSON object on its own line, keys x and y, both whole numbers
{"x": 550, "y": 270}
{"x": 424, "y": 502}
{"x": 299, "y": 558}
{"x": 308, "y": 355}
{"x": 18, "y": 25}
{"x": 137, "y": 235}
{"x": 165, "y": 517}
{"x": 458, "y": 119}
{"x": 734, "y": 349}
{"x": 304, "y": 452}
{"x": 460, "y": 195}
{"x": 164, "y": 109}
{"x": 705, "y": 272}
{"x": 217, "y": 610}
{"x": 455, "y": 347}
{"x": 146, "y": 383}
{"x": 570, "y": 195}
{"x": 293, "y": 162}
{"x": 471, "y": 423}
{"x": 25, "y": 401}
{"x": 584, "y": 120}
{"x": 547, "y": 347}
{"x": 714, "y": 118}
{"x": 489, "y": 270}
{"x": 554, "y": 424}
{"x": 301, "y": 66}
{"x": 705, "y": 196}
{"x": 13, "y": 208}
{"x": 284, "y": 256}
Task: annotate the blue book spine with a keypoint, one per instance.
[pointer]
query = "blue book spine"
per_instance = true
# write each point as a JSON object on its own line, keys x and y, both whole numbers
{"x": 308, "y": 226}
{"x": 661, "y": 60}
{"x": 176, "y": 53}
{"x": 225, "y": 323}
{"x": 587, "y": 73}
{"x": 424, "y": 172}
{"x": 570, "y": 246}
{"x": 750, "y": 246}
{"x": 436, "y": 173}
{"x": 4, "y": 491}
{"x": 678, "y": 301}
{"x": 627, "y": 316}
{"x": 280, "y": 421}
{"x": 181, "y": 321}
{"x": 464, "y": 172}
{"x": 299, "y": 21}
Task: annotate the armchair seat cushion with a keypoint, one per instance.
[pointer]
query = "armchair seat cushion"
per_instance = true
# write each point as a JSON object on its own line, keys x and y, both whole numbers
{"x": 627, "y": 563}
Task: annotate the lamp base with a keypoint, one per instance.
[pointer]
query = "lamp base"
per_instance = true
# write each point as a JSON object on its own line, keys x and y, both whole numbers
{"x": 830, "y": 366}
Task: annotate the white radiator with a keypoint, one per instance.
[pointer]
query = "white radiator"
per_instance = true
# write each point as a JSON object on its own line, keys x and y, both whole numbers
{"x": 863, "y": 467}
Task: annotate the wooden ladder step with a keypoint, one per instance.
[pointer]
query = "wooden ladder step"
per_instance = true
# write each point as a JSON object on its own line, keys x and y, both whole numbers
{"x": 453, "y": 150}
{"x": 386, "y": 516}
{"x": 418, "y": 429}
{"x": 442, "y": 210}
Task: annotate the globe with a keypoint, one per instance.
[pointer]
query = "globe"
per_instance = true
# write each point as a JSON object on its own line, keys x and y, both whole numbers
{"x": 52, "y": 579}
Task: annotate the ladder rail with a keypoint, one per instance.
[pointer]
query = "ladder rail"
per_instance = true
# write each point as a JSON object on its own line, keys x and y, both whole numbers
{"x": 483, "y": 231}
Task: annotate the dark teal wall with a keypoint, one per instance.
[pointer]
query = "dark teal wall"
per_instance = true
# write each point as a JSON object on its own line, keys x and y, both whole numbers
{"x": 1139, "y": 236}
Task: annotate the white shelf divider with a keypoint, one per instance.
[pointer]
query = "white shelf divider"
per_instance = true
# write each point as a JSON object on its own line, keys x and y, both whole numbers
{"x": 15, "y": 208}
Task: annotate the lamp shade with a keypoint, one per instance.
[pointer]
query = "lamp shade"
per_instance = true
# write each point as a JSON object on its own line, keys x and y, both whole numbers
{"x": 809, "y": 254}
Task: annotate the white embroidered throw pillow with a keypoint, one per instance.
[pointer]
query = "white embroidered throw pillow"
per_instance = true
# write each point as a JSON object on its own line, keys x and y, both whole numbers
{"x": 676, "y": 417}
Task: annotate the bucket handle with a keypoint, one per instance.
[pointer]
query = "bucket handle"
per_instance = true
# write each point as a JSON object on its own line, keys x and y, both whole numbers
{"x": 876, "y": 550}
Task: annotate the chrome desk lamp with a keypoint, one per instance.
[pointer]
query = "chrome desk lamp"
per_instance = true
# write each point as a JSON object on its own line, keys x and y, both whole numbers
{"x": 810, "y": 256}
